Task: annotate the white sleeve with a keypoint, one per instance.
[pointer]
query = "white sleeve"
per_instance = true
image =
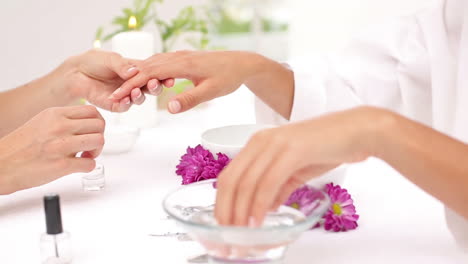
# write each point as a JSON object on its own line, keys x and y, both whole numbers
{"x": 369, "y": 72}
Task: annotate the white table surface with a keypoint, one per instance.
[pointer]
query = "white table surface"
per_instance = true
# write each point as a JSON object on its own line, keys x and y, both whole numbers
{"x": 399, "y": 223}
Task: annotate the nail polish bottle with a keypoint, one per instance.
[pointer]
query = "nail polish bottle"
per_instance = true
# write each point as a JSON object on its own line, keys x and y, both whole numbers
{"x": 55, "y": 243}
{"x": 95, "y": 180}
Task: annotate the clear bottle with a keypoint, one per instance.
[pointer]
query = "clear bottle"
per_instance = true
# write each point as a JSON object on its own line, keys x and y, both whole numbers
{"x": 56, "y": 249}
{"x": 55, "y": 244}
{"x": 95, "y": 180}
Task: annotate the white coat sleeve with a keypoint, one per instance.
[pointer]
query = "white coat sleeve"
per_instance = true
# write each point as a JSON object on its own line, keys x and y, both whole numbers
{"x": 372, "y": 70}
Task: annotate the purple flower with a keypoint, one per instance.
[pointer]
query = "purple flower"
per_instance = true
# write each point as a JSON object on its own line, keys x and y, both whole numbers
{"x": 304, "y": 199}
{"x": 199, "y": 164}
{"x": 341, "y": 216}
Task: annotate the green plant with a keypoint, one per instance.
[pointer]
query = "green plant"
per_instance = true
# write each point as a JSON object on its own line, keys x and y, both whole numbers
{"x": 225, "y": 23}
{"x": 144, "y": 11}
{"x": 186, "y": 21}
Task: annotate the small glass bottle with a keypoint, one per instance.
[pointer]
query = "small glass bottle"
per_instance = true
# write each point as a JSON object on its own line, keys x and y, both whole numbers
{"x": 95, "y": 180}
{"x": 55, "y": 243}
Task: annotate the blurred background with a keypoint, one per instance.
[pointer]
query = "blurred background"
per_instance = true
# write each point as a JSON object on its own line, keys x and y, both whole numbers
{"x": 39, "y": 35}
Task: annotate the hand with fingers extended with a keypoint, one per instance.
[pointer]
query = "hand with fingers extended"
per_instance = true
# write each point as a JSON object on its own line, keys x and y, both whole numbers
{"x": 46, "y": 147}
{"x": 96, "y": 74}
{"x": 277, "y": 161}
{"x": 214, "y": 74}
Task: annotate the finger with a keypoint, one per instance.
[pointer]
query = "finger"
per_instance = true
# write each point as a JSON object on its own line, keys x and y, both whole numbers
{"x": 123, "y": 67}
{"x": 179, "y": 69}
{"x": 115, "y": 107}
{"x": 93, "y": 153}
{"x": 125, "y": 104}
{"x": 87, "y": 155}
{"x": 81, "y": 112}
{"x": 137, "y": 81}
{"x": 191, "y": 98}
{"x": 248, "y": 183}
{"x": 88, "y": 126}
{"x": 154, "y": 87}
{"x": 122, "y": 106}
{"x": 270, "y": 184}
{"x": 79, "y": 143}
{"x": 228, "y": 181}
{"x": 80, "y": 165}
{"x": 137, "y": 97}
{"x": 169, "y": 82}
{"x": 286, "y": 191}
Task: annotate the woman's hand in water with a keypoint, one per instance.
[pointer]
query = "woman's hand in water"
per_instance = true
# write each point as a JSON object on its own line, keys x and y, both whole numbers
{"x": 277, "y": 161}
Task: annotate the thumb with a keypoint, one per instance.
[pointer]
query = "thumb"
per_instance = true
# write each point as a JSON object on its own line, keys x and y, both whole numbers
{"x": 123, "y": 67}
{"x": 191, "y": 98}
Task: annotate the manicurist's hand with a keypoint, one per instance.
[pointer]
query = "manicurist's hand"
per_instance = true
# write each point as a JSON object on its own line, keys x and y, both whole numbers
{"x": 214, "y": 74}
{"x": 93, "y": 75}
{"x": 46, "y": 147}
{"x": 277, "y": 161}
{"x": 96, "y": 74}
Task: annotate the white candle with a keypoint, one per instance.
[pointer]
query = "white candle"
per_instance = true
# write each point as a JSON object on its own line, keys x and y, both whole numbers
{"x": 134, "y": 44}
{"x": 137, "y": 45}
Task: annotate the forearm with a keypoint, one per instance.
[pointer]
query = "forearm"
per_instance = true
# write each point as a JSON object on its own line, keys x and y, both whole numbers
{"x": 272, "y": 82}
{"x": 20, "y": 104}
{"x": 432, "y": 160}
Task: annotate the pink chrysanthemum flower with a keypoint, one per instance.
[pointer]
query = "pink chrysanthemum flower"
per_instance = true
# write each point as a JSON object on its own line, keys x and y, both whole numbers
{"x": 199, "y": 164}
{"x": 342, "y": 214}
{"x": 304, "y": 199}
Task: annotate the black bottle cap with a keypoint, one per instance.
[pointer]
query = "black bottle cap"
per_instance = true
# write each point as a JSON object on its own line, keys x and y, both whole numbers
{"x": 52, "y": 213}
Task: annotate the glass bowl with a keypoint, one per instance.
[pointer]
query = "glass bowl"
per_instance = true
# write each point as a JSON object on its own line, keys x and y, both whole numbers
{"x": 192, "y": 206}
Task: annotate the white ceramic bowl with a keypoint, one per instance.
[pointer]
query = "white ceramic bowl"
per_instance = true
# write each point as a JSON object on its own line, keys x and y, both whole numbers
{"x": 119, "y": 139}
{"x": 229, "y": 139}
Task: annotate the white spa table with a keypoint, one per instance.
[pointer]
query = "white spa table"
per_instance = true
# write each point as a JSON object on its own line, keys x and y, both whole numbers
{"x": 399, "y": 223}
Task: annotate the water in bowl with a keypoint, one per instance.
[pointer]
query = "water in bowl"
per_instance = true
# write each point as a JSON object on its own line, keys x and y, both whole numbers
{"x": 247, "y": 245}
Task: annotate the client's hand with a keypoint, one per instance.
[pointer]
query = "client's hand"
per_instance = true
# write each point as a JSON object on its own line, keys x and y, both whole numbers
{"x": 214, "y": 74}
{"x": 277, "y": 161}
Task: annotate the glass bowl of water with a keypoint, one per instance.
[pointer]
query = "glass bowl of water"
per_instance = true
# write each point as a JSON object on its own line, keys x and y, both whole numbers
{"x": 192, "y": 207}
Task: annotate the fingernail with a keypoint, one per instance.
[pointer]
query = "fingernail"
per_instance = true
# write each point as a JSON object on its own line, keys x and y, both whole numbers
{"x": 153, "y": 85}
{"x": 158, "y": 90}
{"x": 252, "y": 222}
{"x": 126, "y": 101}
{"x": 174, "y": 106}
{"x": 116, "y": 91}
{"x": 139, "y": 95}
{"x": 131, "y": 69}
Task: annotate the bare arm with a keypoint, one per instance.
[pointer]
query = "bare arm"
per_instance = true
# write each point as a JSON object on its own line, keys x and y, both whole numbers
{"x": 215, "y": 74}
{"x": 277, "y": 161}
{"x": 21, "y": 104}
{"x": 273, "y": 83}
{"x": 93, "y": 75}
{"x": 435, "y": 162}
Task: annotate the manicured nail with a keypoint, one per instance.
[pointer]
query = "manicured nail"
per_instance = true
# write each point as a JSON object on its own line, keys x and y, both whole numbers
{"x": 252, "y": 222}
{"x": 174, "y": 106}
{"x": 116, "y": 92}
{"x": 131, "y": 69}
{"x": 139, "y": 95}
{"x": 153, "y": 85}
{"x": 158, "y": 90}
